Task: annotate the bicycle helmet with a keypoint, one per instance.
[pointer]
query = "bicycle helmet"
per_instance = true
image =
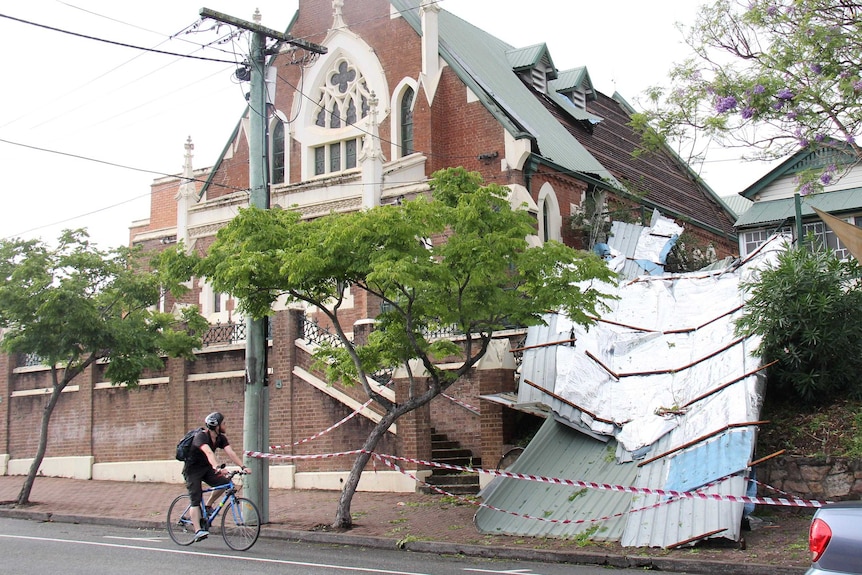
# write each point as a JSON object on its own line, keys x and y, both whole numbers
{"x": 213, "y": 420}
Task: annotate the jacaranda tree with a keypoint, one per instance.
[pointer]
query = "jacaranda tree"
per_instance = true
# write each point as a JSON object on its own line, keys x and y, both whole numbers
{"x": 770, "y": 77}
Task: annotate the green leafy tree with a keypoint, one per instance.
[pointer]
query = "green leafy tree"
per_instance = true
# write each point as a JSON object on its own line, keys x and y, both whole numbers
{"x": 481, "y": 278}
{"x": 73, "y": 305}
{"x": 769, "y": 76}
{"x": 807, "y": 309}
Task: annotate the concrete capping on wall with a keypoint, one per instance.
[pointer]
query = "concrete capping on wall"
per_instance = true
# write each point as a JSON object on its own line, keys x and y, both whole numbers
{"x": 371, "y": 481}
{"x": 80, "y": 467}
{"x": 342, "y": 397}
{"x": 220, "y": 375}
{"x": 141, "y": 383}
{"x": 43, "y": 391}
{"x": 4, "y": 463}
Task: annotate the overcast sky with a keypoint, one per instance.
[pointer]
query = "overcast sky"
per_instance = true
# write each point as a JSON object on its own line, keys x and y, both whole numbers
{"x": 86, "y": 126}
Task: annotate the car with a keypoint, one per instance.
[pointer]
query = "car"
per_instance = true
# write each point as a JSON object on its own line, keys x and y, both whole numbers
{"x": 835, "y": 539}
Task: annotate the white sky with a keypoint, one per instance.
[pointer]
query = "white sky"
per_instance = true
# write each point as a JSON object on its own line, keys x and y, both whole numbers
{"x": 136, "y": 109}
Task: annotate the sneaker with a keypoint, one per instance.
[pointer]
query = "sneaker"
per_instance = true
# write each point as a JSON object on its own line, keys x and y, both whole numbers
{"x": 201, "y": 535}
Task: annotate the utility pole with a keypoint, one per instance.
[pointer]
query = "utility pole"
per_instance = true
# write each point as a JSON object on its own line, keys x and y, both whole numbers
{"x": 256, "y": 413}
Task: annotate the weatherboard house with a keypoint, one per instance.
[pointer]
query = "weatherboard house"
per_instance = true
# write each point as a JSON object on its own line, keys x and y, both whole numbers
{"x": 404, "y": 89}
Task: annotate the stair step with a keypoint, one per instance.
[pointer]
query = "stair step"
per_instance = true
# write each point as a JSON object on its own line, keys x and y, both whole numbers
{"x": 448, "y": 452}
{"x": 451, "y": 453}
{"x": 453, "y": 489}
{"x": 463, "y": 479}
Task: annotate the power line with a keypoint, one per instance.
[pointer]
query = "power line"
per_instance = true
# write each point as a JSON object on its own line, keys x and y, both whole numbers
{"x": 123, "y": 44}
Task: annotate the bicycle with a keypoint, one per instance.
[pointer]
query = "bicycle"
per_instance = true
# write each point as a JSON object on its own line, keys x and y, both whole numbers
{"x": 240, "y": 522}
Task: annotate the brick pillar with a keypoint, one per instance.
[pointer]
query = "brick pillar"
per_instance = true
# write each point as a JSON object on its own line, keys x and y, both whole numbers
{"x": 361, "y": 329}
{"x": 414, "y": 428}
{"x": 492, "y": 413}
{"x": 177, "y": 370}
{"x": 286, "y": 326}
{"x": 7, "y": 363}
{"x": 85, "y": 397}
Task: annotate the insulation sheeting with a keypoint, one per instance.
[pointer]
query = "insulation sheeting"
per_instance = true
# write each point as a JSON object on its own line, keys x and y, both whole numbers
{"x": 665, "y": 382}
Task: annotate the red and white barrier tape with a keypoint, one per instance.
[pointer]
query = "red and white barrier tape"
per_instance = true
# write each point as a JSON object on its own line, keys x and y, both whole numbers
{"x": 395, "y": 467}
{"x": 785, "y": 502}
{"x": 325, "y": 431}
{"x": 463, "y": 404}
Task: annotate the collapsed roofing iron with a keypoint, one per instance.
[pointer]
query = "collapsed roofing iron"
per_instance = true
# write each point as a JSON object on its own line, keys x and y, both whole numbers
{"x": 659, "y": 394}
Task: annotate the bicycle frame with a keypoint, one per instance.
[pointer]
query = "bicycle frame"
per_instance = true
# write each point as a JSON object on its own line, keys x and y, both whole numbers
{"x": 240, "y": 522}
{"x": 230, "y": 494}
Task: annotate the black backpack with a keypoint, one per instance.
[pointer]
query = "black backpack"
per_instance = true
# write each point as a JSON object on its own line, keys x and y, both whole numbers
{"x": 184, "y": 447}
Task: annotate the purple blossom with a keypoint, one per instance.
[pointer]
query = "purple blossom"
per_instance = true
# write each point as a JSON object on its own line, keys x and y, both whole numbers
{"x": 772, "y": 10}
{"x": 747, "y": 112}
{"x": 805, "y": 189}
{"x": 857, "y": 85}
{"x": 825, "y": 179}
{"x": 791, "y": 115}
{"x": 759, "y": 89}
{"x": 816, "y": 68}
{"x": 803, "y": 143}
{"x": 784, "y": 94}
{"x": 725, "y": 104}
{"x": 819, "y": 138}
{"x": 851, "y": 139}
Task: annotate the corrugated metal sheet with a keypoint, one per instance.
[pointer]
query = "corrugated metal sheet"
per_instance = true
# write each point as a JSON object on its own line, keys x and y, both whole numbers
{"x": 557, "y": 510}
{"x": 528, "y": 57}
{"x": 772, "y": 211}
{"x": 481, "y": 61}
{"x": 668, "y": 343}
{"x": 573, "y": 78}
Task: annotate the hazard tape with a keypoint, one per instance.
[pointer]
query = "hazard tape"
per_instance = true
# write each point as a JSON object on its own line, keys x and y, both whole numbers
{"x": 792, "y": 502}
{"x": 784, "y": 502}
{"x": 325, "y": 431}
{"x": 466, "y": 406}
{"x": 476, "y": 503}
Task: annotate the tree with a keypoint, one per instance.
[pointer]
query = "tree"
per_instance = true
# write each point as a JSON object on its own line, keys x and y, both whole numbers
{"x": 769, "y": 76}
{"x": 74, "y": 305}
{"x": 458, "y": 259}
{"x": 807, "y": 309}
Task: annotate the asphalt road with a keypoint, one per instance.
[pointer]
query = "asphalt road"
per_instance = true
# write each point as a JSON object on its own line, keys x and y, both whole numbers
{"x": 35, "y": 548}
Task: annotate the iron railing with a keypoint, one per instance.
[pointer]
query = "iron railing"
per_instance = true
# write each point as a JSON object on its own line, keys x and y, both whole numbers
{"x": 230, "y": 332}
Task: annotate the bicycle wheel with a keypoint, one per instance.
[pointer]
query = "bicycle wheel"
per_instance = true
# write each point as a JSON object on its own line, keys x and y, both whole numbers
{"x": 240, "y": 524}
{"x": 180, "y": 526}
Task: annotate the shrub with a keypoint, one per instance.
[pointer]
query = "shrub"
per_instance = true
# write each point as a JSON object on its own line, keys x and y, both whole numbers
{"x": 808, "y": 311}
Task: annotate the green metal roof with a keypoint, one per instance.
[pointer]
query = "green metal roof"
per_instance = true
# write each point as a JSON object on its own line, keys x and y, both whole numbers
{"x": 574, "y": 78}
{"x": 482, "y": 62}
{"x": 772, "y": 211}
{"x": 802, "y": 160}
{"x": 529, "y": 57}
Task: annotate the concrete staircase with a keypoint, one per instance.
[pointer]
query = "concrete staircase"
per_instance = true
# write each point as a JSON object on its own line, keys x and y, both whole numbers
{"x": 443, "y": 450}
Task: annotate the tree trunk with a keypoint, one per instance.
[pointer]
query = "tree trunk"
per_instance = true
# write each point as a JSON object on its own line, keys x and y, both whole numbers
{"x": 343, "y": 520}
{"x": 24, "y": 495}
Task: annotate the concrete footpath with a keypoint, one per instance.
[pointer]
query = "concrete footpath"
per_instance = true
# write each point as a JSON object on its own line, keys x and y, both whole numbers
{"x": 411, "y": 521}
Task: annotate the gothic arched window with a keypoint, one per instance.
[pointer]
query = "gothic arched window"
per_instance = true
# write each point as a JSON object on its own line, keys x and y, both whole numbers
{"x": 407, "y": 122}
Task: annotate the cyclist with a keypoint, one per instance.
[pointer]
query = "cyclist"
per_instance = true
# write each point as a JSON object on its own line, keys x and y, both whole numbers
{"x": 201, "y": 465}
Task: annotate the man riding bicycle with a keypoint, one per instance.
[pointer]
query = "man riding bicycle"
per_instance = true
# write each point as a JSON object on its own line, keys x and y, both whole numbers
{"x": 201, "y": 465}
